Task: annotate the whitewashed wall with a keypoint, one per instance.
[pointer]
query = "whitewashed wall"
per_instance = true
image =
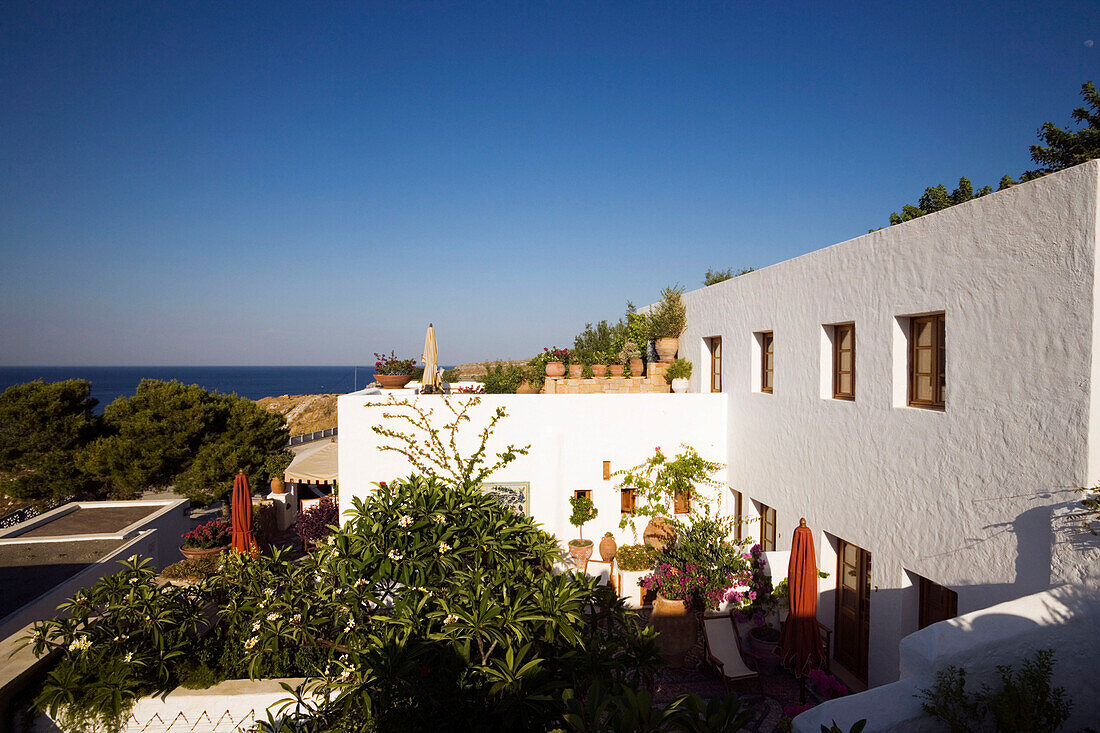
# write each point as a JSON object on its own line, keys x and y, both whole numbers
{"x": 964, "y": 496}
{"x": 570, "y": 437}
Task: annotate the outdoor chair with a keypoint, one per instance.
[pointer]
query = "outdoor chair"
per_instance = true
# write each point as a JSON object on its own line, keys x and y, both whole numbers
{"x": 725, "y": 652}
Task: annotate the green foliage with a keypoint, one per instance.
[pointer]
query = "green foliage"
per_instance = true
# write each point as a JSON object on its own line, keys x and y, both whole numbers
{"x": 1090, "y": 514}
{"x": 169, "y": 433}
{"x": 1067, "y": 148}
{"x": 604, "y": 710}
{"x": 193, "y": 568}
{"x": 657, "y": 480}
{"x": 709, "y": 563}
{"x": 678, "y": 369}
{"x": 121, "y": 638}
{"x": 668, "y": 316}
{"x": 713, "y": 277}
{"x": 857, "y": 727}
{"x": 1063, "y": 149}
{"x": 1025, "y": 701}
{"x": 636, "y": 557}
{"x": 451, "y": 375}
{"x": 584, "y": 510}
{"x": 599, "y": 344}
{"x": 43, "y": 429}
{"x": 636, "y": 334}
{"x": 503, "y": 379}
{"x": 432, "y": 450}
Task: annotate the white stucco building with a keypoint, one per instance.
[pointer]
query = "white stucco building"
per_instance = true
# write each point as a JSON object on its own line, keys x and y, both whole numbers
{"x": 926, "y": 396}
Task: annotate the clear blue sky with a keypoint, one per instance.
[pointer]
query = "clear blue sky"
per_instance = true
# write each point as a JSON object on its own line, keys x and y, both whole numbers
{"x": 193, "y": 183}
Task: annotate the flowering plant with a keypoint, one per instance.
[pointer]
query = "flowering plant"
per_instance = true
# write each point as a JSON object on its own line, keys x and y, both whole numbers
{"x": 315, "y": 523}
{"x": 829, "y": 687}
{"x": 207, "y": 536}
{"x": 762, "y": 603}
{"x": 701, "y": 588}
{"x": 470, "y": 389}
{"x": 392, "y": 365}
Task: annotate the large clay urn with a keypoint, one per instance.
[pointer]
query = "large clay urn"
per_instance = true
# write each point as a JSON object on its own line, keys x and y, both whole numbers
{"x": 526, "y": 388}
{"x": 678, "y": 629}
{"x": 608, "y": 548}
{"x": 393, "y": 381}
{"x": 658, "y": 533}
{"x": 277, "y": 486}
{"x": 666, "y": 349}
{"x": 555, "y": 369}
{"x": 576, "y": 371}
{"x": 616, "y": 370}
{"x": 636, "y": 367}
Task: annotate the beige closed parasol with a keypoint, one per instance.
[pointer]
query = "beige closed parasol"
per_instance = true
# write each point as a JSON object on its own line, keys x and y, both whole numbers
{"x": 431, "y": 361}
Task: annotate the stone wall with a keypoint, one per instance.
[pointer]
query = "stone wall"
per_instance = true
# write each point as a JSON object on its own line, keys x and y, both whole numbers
{"x": 653, "y": 382}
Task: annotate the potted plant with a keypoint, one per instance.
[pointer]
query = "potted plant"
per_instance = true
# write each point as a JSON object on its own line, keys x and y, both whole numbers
{"x": 762, "y": 608}
{"x": 391, "y": 372}
{"x": 584, "y": 510}
{"x": 634, "y": 562}
{"x": 576, "y": 369}
{"x": 554, "y": 361}
{"x": 206, "y": 539}
{"x": 616, "y": 370}
{"x": 676, "y": 627}
{"x": 678, "y": 374}
{"x": 631, "y": 356}
{"x": 667, "y": 320}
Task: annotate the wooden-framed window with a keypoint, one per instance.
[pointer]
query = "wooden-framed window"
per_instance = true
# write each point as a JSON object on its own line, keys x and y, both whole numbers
{"x": 736, "y": 514}
{"x": 586, "y": 493}
{"x": 844, "y": 361}
{"x": 927, "y": 357}
{"x": 767, "y": 528}
{"x": 681, "y": 503}
{"x": 937, "y": 603}
{"x": 767, "y": 361}
{"x": 714, "y": 343}
{"x": 627, "y": 497}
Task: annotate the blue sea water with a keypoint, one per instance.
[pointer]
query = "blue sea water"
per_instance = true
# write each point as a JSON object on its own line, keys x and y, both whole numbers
{"x": 252, "y": 382}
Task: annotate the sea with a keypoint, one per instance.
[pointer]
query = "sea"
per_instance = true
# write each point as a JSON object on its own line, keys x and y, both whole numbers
{"x": 253, "y": 382}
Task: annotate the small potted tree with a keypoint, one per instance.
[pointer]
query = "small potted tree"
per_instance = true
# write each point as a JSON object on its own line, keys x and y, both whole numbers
{"x": 580, "y": 549}
{"x": 678, "y": 374}
{"x": 667, "y": 320}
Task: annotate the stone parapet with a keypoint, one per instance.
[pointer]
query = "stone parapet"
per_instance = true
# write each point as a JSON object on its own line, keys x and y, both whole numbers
{"x": 653, "y": 382}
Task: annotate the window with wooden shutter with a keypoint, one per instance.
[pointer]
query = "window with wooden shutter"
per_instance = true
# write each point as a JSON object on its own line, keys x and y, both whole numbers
{"x": 626, "y": 500}
{"x": 767, "y": 361}
{"x": 586, "y": 493}
{"x": 736, "y": 514}
{"x": 844, "y": 361}
{"x": 715, "y": 345}
{"x": 927, "y": 361}
{"x": 682, "y": 502}
{"x": 767, "y": 528}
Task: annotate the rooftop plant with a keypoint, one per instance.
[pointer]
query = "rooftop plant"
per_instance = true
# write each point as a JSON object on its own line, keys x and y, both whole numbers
{"x": 667, "y": 318}
{"x": 215, "y": 533}
{"x": 678, "y": 369}
{"x": 392, "y": 365}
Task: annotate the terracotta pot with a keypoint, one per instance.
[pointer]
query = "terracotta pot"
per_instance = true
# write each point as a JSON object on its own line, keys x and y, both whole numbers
{"x": 678, "y": 629}
{"x": 393, "y": 381}
{"x": 526, "y": 388}
{"x": 580, "y": 554}
{"x": 555, "y": 369}
{"x": 277, "y": 486}
{"x": 636, "y": 367}
{"x": 666, "y": 348}
{"x": 599, "y": 370}
{"x": 576, "y": 371}
{"x": 658, "y": 533}
{"x": 193, "y": 552}
{"x": 616, "y": 370}
{"x": 608, "y": 548}
{"x": 765, "y": 650}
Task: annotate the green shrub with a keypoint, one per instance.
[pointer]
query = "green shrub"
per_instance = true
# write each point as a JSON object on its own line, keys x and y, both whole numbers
{"x": 193, "y": 568}
{"x": 583, "y": 511}
{"x": 451, "y": 375}
{"x": 637, "y": 557}
{"x": 668, "y": 316}
{"x": 503, "y": 378}
{"x": 678, "y": 369}
{"x": 197, "y": 675}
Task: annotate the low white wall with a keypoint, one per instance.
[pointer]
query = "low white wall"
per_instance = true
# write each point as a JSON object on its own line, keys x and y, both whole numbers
{"x": 1064, "y": 619}
{"x": 229, "y": 705}
{"x": 570, "y": 437}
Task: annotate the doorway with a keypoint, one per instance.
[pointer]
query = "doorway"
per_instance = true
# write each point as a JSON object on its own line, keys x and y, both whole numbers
{"x": 853, "y": 608}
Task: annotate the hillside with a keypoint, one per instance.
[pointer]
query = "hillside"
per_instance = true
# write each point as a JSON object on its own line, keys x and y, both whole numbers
{"x": 305, "y": 413}
{"x": 476, "y": 368}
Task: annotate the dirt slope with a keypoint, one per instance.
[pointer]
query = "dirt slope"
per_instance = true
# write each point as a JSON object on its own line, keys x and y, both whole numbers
{"x": 305, "y": 413}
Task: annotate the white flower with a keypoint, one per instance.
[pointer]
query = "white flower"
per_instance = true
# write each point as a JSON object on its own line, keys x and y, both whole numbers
{"x": 394, "y": 555}
{"x": 443, "y": 548}
{"x": 131, "y": 558}
{"x": 361, "y": 582}
{"x": 350, "y": 625}
{"x": 273, "y": 616}
{"x": 347, "y": 673}
{"x": 132, "y": 581}
{"x": 252, "y": 642}
{"x": 451, "y": 618}
{"x": 296, "y": 619}
{"x": 128, "y": 658}
{"x": 80, "y": 644}
{"x": 255, "y": 625}
{"x": 330, "y": 540}
{"x": 439, "y": 519}
{"x": 404, "y": 521}
{"x": 269, "y": 592}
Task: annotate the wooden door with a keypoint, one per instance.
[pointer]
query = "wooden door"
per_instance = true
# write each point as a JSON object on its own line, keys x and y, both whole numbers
{"x": 853, "y": 607}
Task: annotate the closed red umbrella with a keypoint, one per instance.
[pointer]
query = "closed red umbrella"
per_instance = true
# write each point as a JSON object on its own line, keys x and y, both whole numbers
{"x": 800, "y": 640}
{"x": 243, "y": 541}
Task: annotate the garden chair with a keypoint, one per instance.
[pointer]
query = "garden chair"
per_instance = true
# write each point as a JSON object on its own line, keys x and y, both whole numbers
{"x": 725, "y": 652}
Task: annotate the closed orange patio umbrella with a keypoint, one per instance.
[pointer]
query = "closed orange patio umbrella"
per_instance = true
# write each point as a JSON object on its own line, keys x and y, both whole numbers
{"x": 800, "y": 640}
{"x": 243, "y": 541}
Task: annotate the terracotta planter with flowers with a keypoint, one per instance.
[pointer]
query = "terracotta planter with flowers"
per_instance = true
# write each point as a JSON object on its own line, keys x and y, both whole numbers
{"x": 677, "y": 626}
{"x": 391, "y": 372}
{"x": 393, "y": 381}
{"x": 555, "y": 369}
{"x": 206, "y": 539}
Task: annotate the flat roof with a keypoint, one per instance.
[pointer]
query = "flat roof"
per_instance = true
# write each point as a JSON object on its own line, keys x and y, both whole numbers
{"x": 31, "y": 569}
{"x": 93, "y": 520}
